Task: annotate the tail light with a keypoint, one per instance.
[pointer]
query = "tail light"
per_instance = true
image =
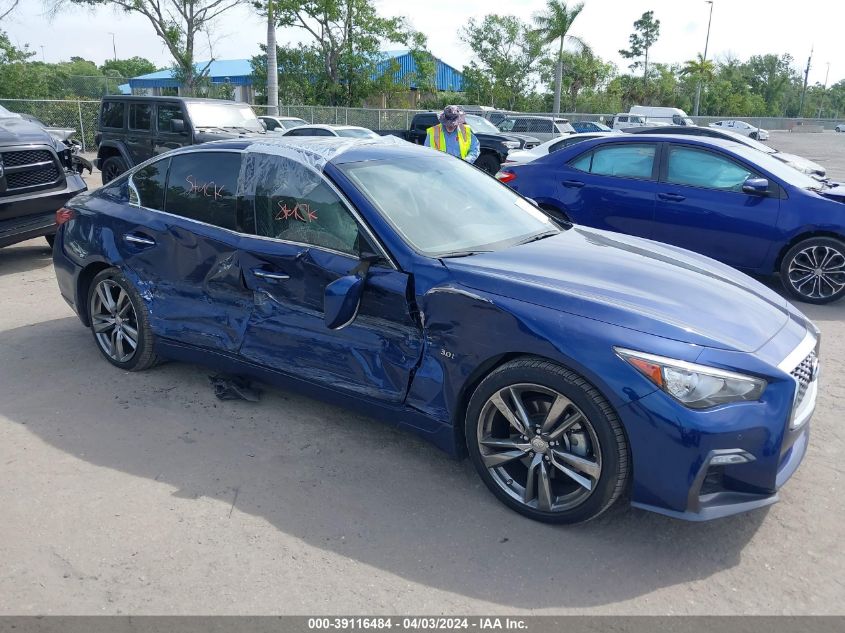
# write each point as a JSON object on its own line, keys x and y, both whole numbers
{"x": 64, "y": 214}
{"x": 505, "y": 176}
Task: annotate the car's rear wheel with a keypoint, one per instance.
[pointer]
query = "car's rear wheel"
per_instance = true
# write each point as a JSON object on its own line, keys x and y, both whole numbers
{"x": 119, "y": 322}
{"x": 814, "y": 270}
{"x": 113, "y": 166}
{"x": 546, "y": 443}
{"x": 754, "y": 135}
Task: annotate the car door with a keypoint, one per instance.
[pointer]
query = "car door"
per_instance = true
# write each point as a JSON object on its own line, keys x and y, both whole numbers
{"x": 187, "y": 258}
{"x": 139, "y": 136}
{"x": 307, "y": 237}
{"x": 165, "y": 138}
{"x": 701, "y": 206}
{"x": 612, "y": 187}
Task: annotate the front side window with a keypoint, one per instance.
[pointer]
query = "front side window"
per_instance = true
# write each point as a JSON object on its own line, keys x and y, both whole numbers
{"x": 624, "y": 160}
{"x": 697, "y": 168}
{"x": 112, "y": 114}
{"x": 443, "y": 207}
{"x": 148, "y": 184}
{"x": 296, "y": 204}
{"x": 140, "y": 116}
{"x": 165, "y": 114}
{"x": 270, "y": 124}
{"x": 203, "y": 186}
{"x": 506, "y": 125}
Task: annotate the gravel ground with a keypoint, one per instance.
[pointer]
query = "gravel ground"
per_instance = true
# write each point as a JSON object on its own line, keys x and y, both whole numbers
{"x": 143, "y": 494}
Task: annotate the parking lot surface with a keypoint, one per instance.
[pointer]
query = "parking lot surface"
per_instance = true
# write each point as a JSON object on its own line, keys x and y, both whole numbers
{"x": 144, "y": 494}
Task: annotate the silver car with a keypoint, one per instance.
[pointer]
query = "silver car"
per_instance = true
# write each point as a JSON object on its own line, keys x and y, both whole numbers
{"x": 544, "y": 128}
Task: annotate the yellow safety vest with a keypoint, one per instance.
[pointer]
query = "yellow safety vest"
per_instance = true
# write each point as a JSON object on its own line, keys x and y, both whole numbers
{"x": 437, "y": 138}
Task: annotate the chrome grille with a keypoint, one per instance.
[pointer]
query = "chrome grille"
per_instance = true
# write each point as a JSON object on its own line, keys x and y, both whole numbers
{"x": 804, "y": 374}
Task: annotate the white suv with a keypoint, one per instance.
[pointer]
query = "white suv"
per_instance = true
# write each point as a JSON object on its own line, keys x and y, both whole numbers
{"x": 625, "y": 120}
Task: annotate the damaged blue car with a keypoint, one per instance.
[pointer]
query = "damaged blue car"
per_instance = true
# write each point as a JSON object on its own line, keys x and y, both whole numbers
{"x": 574, "y": 366}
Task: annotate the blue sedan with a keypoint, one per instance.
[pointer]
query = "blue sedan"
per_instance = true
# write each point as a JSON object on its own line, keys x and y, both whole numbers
{"x": 571, "y": 364}
{"x": 715, "y": 197}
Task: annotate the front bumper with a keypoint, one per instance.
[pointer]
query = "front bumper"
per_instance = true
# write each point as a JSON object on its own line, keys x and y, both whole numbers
{"x": 679, "y": 455}
{"x": 32, "y": 215}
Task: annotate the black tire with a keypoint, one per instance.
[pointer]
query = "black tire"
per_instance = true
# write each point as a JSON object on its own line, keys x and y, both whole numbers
{"x": 753, "y": 136}
{"x": 113, "y": 166}
{"x": 611, "y": 455}
{"x": 813, "y": 271}
{"x": 143, "y": 355}
{"x": 488, "y": 163}
{"x": 51, "y": 239}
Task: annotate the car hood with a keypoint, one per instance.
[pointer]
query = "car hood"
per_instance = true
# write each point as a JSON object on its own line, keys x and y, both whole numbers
{"x": 634, "y": 283}
{"x": 19, "y": 130}
{"x": 800, "y": 163}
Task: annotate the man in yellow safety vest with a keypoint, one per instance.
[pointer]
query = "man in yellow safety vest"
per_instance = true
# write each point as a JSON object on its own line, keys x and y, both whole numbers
{"x": 452, "y": 135}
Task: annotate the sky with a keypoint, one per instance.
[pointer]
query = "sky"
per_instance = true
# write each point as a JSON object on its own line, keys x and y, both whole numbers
{"x": 740, "y": 28}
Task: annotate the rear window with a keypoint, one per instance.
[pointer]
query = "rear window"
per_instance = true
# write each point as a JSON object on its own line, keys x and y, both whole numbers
{"x": 112, "y": 114}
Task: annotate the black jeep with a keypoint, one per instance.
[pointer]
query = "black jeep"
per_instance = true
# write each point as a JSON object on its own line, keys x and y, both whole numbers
{"x": 132, "y": 129}
{"x": 38, "y": 174}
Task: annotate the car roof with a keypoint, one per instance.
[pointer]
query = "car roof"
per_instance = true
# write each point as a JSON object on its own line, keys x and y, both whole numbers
{"x": 280, "y": 118}
{"x": 667, "y": 138}
{"x": 158, "y": 98}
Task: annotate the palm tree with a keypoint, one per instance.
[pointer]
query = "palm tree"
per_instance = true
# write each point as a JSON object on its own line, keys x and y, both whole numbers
{"x": 553, "y": 25}
{"x": 272, "y": 63}
{"x": 704, "y": 70}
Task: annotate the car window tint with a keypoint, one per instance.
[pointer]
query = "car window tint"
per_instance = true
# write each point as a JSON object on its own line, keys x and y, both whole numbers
{"x": 204, "y": 186}
{"x": 140, "y": 116}
{"x": 270, "y": 123}
{"x": 165, "y": 114}
{"x": 623, "y": 119}
{"x": 112, "y": 115}
{"x": 627, "y": 160}
{"x": 520, "y": 125}
{"x": 556, "y": 146}
{"x": 294, "y": 203}
{"x": 688, "y": 166}
{"x": 148, "y": 184}
{"x": 582, "y": 162}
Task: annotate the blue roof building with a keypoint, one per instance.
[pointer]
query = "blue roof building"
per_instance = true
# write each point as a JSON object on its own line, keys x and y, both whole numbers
{"x": 236, "y": 72}
{"x": 447, "y": 78}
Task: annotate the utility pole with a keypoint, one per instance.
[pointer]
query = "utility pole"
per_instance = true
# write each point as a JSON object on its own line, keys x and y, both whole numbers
{"x": 43, "y": 58}
{"x": 804, "y": 89}
{"x": 824, "y": 93}
{"x": 704, "y": 59}
{"x": 113, "y": 47}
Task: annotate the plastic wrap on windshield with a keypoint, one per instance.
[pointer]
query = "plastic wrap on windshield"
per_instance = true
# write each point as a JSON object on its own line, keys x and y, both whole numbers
{"x": 308, "y": 158}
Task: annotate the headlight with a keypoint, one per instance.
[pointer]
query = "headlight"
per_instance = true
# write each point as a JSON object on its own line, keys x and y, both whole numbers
{"x": 511, "y": 144}
{"x": 695, "y": 386}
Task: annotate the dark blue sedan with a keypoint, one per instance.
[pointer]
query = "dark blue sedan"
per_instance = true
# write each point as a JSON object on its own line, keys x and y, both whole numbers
{"x": 718, "y": 198}
{"x": 571, "y": 364}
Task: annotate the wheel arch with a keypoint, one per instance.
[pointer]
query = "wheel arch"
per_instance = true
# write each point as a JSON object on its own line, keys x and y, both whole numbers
{"x": 806, "y": 235}
{"x": 110, "y": 149}
{"x": 83, "y": 286}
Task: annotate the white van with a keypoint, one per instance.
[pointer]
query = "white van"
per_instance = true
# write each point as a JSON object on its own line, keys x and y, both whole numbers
{"x": 625, "y": 120}
{"x": 666, "y": 116}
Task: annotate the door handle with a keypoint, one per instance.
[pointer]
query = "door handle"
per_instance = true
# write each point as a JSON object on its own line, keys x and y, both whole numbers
{"x": 573, "y": 183}
{"x": 671, "y": 197}
{"x": 263, "y": 274}
{"x": 134, "y": 238}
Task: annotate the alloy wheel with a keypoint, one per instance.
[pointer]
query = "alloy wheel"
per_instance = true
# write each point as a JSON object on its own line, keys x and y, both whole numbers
{"x": 539, "y": 447}
{"x": 114, "y": 321}
{"x": 817, "y": 272}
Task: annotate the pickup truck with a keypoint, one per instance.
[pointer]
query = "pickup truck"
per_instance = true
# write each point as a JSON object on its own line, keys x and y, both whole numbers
{"x": 494, "y": 146}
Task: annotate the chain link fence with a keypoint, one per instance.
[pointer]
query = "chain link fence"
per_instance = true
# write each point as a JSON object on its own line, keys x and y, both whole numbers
{"x": 82, "y": 116}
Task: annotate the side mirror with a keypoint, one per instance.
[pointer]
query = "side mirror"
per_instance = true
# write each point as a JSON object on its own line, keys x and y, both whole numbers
{"x": 177, "y": 126}
{"x": 342, "y": 297}
{"x": 756, "y": 186}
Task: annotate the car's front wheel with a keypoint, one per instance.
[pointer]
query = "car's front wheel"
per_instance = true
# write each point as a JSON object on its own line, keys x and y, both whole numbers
{"x": 814, "y": 270}
{"x": 546, "y": 442}
{"x": 119, "y": 322}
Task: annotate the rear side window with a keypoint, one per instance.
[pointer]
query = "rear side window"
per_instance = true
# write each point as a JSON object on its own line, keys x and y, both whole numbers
{"x": 540, "y": 125}
{"x": 203, "y": 186}
{"x": 520, "y": 125}
{"x": 626, "y": 160}
{"x": 165, "y": 114}
{"x": 622, "y": 119}
{"x": 112, "y": 114}
{"x": 294, "y": 203}
{"x": 140, "y": 116}
{"x": 697, "y": 168}
{"x": 148, "y": 184}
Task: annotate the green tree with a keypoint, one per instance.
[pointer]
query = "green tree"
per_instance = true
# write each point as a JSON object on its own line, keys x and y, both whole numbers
{"x": 703, "y": 70}
{"x": 646, "y": 32}
{"x": 18, "y": 78}
{"x": 507, "y": 53}
{"x": 772, "y": 77}
{"x": 128, "y": 68}
{"x": 585, "y": 71}
{"x": 553, "y": 26}
{"x": 177, "y": 23}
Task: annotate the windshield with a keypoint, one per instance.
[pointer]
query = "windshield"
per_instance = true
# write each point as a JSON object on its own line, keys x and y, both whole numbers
{"x": 778, "y": 169}
{"x": 506, "y": 125}
{"x": 355, "y": 132}
{"x": 223, "y": 115}
{"x": 477, "y": 124}
{"x": 442, "y": 206}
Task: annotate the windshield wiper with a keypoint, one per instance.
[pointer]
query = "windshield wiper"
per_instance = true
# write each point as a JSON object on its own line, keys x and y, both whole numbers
{"x": 461, "y": 254}
{"x": 539, "y": 236}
